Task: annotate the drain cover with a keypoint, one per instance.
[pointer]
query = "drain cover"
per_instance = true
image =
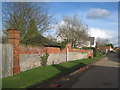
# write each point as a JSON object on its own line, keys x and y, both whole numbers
{"x": 64, "y": 79}
{"x": 53, "y": 85}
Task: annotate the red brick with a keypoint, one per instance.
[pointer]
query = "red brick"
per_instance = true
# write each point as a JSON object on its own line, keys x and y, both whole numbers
{"x": 14, "y": 36}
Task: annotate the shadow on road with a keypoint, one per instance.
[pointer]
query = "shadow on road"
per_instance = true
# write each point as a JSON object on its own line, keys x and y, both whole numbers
{"x": 94, "y": 77}
{"x": 63, "y": 71}
{"x": 97, "y": 76}
{"x": 113, "y": 57}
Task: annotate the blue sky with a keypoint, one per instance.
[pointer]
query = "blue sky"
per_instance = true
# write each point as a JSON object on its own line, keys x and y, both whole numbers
{"x": 101, "y": 17}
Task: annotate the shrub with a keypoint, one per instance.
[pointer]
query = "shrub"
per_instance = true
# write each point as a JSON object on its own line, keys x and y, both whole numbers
{"x": 110, "y": 45}
{"x": 89, "y": 57}
{"x": 103, "y": 53}
{"x": 63, "y": 45}
{"x": 44, "y": 59}
{"x": 95, "y": 51}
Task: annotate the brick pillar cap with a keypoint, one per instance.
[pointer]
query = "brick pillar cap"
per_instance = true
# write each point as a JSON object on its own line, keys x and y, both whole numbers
{"x": 12, "y": 30}
{"x": 68, "y": 44}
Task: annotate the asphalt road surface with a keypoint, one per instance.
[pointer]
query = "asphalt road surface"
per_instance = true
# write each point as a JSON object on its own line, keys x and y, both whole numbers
{"x": 102, "y": 74}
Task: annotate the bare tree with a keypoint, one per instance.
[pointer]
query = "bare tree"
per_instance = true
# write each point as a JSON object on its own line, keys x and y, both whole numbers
{"x": 51, "y": 37}
{"x": 18, "y": 15}
{"x": 102, "y": 42}
{"x": 74, "y": 31}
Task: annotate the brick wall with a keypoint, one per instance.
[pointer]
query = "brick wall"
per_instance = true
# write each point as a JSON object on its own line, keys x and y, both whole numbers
{"x": 90, "y": 53}
{"x": 14, "y": 36}
{"x": 50, "y": 50}
{"x": 27, "y": 57}
{"x": 38, "y": 50}
{"x": 31, "y": 50}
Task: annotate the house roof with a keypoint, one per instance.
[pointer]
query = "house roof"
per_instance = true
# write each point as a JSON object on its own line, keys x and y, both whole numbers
{"x": 42, "y": 41}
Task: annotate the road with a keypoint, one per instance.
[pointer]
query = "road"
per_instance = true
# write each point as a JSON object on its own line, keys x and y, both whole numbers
{"x": 101, "y": 74}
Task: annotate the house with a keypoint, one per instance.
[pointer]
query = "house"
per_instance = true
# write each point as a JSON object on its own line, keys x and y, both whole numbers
{"x": 116, "y": 48}
{"x": 90, "y": 43}
{"x": 105, "y": 48}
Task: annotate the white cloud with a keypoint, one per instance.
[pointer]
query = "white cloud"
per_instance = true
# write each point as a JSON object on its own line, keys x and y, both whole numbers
{"x": 95, "y": 13}
{"x": 116, "y": 41}
{"x": 100, "y": 33}
{"x": 105, "y": 34}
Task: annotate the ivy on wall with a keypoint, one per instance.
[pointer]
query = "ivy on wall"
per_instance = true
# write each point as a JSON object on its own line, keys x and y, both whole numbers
{"x": 44, "y": 59}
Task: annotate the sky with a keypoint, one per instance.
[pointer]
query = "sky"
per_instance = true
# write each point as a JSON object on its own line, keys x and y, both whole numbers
{"x": 0, "y": 13}
{"x": 101, "y": 17}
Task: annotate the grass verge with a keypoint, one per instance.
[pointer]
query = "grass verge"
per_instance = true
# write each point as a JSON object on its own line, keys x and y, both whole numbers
{"x": 40, "y": 74}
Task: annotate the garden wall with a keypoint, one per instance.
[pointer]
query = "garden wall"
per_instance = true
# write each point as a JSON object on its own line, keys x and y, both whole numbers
{"x": 29, "y": 61}
{"x": 28, "y": 57}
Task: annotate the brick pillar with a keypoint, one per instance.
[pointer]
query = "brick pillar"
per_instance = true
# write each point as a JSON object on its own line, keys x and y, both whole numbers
{"x": 69, "y": 47}
{"x": 13, "y": 38}
{"x": 97, "y": 44}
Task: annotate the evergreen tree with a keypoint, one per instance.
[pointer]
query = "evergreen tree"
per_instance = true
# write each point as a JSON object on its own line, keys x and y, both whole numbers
{"x": 32, "y": 31}
{"x": 110, "y": 45}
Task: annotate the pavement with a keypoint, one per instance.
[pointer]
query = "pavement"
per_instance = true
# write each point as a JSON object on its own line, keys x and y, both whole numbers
{"x": 100, "y": 74}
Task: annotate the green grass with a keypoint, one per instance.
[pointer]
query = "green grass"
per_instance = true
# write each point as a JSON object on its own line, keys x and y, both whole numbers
{"x": 36, "y": 75}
